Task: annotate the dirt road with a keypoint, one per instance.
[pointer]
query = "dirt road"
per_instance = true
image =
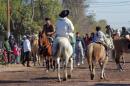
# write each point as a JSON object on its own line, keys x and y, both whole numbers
{"x": 17, "y": 75}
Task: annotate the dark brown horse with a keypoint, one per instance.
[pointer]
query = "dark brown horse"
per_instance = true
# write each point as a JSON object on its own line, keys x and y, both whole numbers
{"x": 121, "y": 47}
{"x": 46, "y": 51}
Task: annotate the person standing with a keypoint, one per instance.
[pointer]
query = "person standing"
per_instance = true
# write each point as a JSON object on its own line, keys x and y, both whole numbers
{"x": 11, "y": 41}
{"x": 16, "y": 52}
{"x": 7, "y": 47}
{"x": 86, "y": 40}
{"x": 92, "y": 37}
{"x": 27, "y": 50}
{"x": 79, "y": 49}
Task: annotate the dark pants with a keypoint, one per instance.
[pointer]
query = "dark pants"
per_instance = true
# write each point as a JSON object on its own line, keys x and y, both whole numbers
{"x": 8, "y": 56}
{"x": 26, "y": 58}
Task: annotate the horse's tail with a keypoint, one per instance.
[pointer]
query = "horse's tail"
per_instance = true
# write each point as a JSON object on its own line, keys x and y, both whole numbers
{"x": 90, "y": 55}
{"x": 58, "y": 50}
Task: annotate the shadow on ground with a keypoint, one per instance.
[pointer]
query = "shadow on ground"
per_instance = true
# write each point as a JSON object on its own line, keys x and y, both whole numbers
{"x": 107, "y": 84}
{"x": 10, "y": 81}
{"x": 44, "y": 78}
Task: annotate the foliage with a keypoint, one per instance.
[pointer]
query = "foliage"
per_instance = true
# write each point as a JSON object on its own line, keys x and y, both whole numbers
{"x": 77, "y": 13}
{"x": 28, "y": 13}
{"x": 101, "y": 23}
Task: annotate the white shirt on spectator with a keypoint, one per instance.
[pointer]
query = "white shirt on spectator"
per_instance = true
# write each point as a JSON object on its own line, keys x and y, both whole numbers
{"x": 64, "y": 27}
{"x": 26, "y": 45}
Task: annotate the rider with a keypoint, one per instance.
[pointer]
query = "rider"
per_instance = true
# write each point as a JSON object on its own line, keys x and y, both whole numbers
{"x": 49, "y": 30}
{"x": 64, "y": 28}
{"x": 124, "y": 32}
{"x": 109, "y": 31}
{"x": 100, "y": 37}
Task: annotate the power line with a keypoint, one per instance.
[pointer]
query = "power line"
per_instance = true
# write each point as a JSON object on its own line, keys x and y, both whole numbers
{"x": 110, "y": 5}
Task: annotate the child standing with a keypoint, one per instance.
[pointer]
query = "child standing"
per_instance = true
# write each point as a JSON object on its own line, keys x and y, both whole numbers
{"x": 16, "y": 52}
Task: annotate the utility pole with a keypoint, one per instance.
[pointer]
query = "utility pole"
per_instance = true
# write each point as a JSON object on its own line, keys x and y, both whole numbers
{"x": 8, "y": 18}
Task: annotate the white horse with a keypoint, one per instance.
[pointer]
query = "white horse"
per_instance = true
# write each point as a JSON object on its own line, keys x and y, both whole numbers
{"x": 63, "y": 54}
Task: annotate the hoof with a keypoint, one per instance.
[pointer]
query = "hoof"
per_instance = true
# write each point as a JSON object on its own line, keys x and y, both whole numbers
{"x": 64, "y": 79}
{"x": 101, "y": 77}
{"x": 59, "y": 80}
{"x": 92, "y": 76}
{"x": 120, "y": 70}
{"x": 47, "y": 71}
{"x": 69, "y": 76}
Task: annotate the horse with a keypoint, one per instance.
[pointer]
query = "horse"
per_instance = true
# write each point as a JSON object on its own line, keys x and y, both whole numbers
{"x": 121, "y": 47}
{"x": 96, "y": 53}
{"x": 34, "y": 52}
{"x": 46, "y": 51}
{"x": 63, "y": 54}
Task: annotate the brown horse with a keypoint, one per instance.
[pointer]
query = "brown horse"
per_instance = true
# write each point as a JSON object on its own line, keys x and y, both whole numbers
{"x": 46, "y": 51}
{"x": 96, "y": 54}
{"x": 121, "y": 47}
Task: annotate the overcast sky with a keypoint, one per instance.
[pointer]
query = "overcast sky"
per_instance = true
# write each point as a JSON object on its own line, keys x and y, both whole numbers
{"x": 116, "y": 12}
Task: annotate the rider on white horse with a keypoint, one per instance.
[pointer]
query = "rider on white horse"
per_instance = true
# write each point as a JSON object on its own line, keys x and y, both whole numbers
{"x": 64, "y": 28}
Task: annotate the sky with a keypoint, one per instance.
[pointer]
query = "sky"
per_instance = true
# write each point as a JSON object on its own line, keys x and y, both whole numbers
{"x": 115, "y": 12}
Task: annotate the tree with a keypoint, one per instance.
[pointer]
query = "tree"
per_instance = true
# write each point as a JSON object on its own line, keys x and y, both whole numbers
{"x": 102, "y": 24}
{"x": 77, "y": 14}
{"x": 28, "y": 15}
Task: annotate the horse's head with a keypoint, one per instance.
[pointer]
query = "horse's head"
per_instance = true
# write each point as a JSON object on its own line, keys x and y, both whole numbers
{"x": 43, "y": 39}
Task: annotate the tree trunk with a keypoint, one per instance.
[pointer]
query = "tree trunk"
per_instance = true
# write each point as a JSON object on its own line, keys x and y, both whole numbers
{"x": 33, "y": 10}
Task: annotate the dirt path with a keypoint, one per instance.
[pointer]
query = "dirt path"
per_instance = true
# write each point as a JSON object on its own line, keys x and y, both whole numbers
{"x": 17, "y": 75}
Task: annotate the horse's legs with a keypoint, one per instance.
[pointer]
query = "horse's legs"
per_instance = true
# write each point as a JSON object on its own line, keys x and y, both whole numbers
{"x": 51, "y": 63}
{"x": 123, "y": 59}
{"x": 38, "y": 59}
{"x": 65, "y": 69}
{"x": 35, "y": 59}
{"x": 92, "y": 70}
{"x": 117, "y": 59}
{"x": 54, "y": 65}
{"x": 58, "y": 69}
{"x": 71, "y": 68}
{"x": 91, "y": 66}
{"x": 48, "y": 63}
{"x": 102, "y": 65}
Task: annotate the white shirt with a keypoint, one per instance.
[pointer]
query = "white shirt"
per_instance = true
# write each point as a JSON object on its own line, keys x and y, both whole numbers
{"x": 100, "y": 36}
{"x": 118, "y": 32}
{"x": 64, "y": 27}
{"x": 26, "y": 45}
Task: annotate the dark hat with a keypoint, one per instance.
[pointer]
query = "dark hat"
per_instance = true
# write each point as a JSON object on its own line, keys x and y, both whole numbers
{"x": 123, "y": 28}
{"x": 98, "y": 28}
{"x": 47, "y": 18}
{"x": 108, "y": 26}
{"x": 64, "y": 13}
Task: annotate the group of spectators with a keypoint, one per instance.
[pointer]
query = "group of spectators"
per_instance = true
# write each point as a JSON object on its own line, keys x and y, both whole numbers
{"x": 12, "y": 49}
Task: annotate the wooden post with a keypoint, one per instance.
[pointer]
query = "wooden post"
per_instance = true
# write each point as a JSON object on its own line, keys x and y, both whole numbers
{"x": 8, "y": 18}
